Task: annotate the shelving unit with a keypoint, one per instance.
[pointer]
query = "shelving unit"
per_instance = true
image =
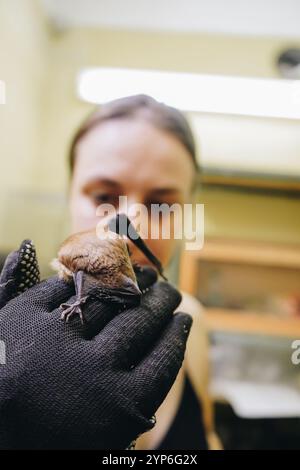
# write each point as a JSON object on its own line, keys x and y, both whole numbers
{"x": 243, "y": 253}
{"x": 251, "y": 323}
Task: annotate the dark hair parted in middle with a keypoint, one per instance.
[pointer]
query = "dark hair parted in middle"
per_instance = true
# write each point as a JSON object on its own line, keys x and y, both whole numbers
{"x": 159, "y": 114}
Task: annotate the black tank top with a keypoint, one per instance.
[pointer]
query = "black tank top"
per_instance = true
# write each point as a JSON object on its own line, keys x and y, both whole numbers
{"x": 187, "y": 430}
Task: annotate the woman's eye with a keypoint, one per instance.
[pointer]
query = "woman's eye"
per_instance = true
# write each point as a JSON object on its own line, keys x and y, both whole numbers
{"x": 105, "y": 198}
{"x": 157, "y": 202}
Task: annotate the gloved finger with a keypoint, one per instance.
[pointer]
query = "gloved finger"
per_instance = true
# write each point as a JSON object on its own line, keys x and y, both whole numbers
{"x": 158, "y": 370}
{"x": 145, "y": 275}
{"x": 133, "y": 331}
{"x": 20, "y": 272}
{"x": 50, "y": 293}
{"x": 90, "y": 315}
{"x": 95, "y": 314}
{"x": 94, "y": 305}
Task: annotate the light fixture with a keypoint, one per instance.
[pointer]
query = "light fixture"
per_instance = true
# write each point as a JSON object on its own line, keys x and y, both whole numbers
{"x": 195, "y": 92}
{"x": 288, "y": 63}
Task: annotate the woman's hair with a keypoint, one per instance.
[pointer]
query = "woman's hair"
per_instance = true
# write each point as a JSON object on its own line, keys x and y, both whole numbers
{"x": 160, "y": 115}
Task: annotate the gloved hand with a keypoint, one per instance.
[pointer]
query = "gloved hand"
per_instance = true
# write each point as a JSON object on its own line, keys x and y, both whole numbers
{"x": 90, "y": 386}
{"x": 19, "y": 273}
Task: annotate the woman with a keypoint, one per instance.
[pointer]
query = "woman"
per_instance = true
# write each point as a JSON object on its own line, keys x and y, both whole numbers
{"x": 142, "y": 149}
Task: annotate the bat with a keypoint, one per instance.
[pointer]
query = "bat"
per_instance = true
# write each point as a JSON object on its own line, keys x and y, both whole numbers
{"x": 101, "y": 265}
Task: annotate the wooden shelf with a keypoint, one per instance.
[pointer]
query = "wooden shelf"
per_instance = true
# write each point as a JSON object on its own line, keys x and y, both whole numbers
{"x": 237, "y": 321}
{"x": 245, "y": 252}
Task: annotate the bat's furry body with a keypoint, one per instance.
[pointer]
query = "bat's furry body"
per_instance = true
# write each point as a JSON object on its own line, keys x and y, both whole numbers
{"x": 102, "y": 262}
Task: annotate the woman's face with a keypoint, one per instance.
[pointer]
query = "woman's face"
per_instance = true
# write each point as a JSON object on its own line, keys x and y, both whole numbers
{"x": 129, "y": 158}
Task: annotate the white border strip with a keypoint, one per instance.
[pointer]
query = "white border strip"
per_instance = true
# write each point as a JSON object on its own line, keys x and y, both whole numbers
{"x": 2, "y": 92}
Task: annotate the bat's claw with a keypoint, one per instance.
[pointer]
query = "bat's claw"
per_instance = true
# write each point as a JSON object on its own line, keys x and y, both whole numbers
{"x": 68, "y": 310}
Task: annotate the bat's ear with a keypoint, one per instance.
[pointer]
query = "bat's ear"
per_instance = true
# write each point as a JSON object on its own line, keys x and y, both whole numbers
{"x": 129, "y": 285}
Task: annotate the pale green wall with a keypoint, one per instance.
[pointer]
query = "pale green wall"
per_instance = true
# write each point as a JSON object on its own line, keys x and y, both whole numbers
{"x": 251, "y": 216}
{"x": 40, "y": 67}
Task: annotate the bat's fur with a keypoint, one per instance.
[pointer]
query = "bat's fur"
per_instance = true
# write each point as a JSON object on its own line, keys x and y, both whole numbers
{"x": 107, "y": 260}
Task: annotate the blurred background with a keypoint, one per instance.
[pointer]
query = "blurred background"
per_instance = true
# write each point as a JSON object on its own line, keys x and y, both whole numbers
{"x": 247, "y": 54}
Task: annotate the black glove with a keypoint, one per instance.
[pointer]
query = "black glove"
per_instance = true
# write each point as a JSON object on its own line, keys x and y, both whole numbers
{"x": 19, "y": 273}
{"x": 90, "y": 386}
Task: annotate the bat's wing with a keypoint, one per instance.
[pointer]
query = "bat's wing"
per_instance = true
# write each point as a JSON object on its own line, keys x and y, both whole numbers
{"x": 87, "y": 285}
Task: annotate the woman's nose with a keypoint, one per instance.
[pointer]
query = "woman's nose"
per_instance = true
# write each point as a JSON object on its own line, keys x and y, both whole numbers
{"x": 123, "y": 226}
{"x": 128, "y": 223}
{"x": 137, "y": 213}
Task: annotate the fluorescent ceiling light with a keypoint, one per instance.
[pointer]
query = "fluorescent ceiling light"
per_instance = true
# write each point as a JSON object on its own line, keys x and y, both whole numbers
{"x": 194, "y": 92}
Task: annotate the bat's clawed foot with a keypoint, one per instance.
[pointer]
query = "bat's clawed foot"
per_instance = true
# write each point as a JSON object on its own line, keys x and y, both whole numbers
{"x": 68, "y": 310}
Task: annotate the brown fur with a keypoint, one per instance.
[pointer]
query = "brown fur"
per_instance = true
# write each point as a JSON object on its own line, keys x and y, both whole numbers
{"x": 107, "y": 260}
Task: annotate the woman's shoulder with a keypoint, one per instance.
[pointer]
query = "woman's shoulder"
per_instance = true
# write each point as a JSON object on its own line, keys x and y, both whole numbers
{"x": 191, "y": 305}
{"x": 197, "y": 345}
